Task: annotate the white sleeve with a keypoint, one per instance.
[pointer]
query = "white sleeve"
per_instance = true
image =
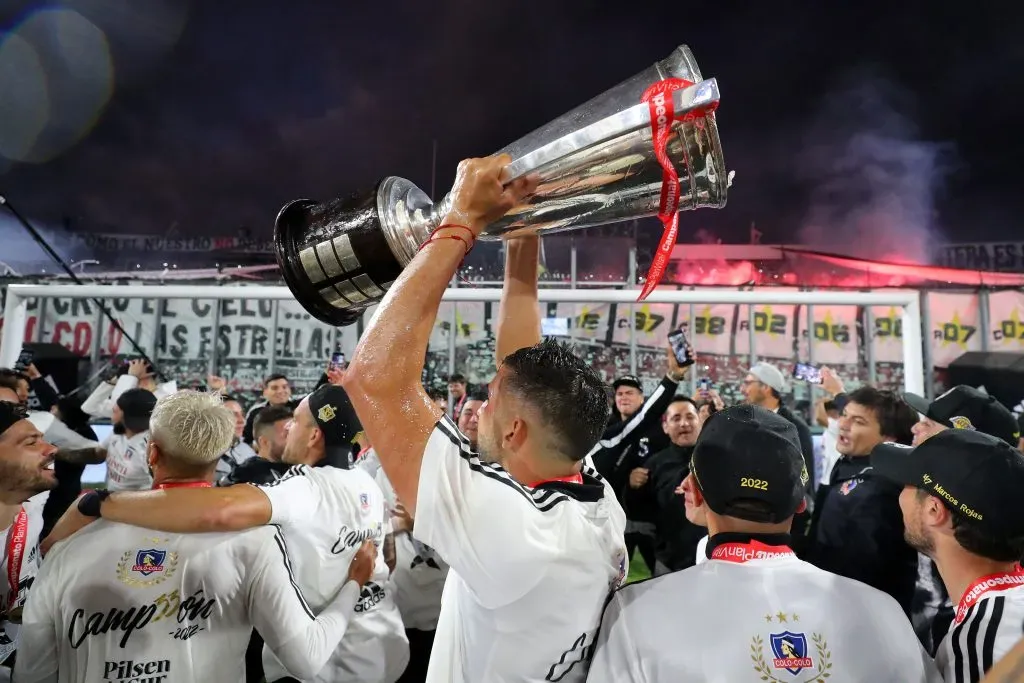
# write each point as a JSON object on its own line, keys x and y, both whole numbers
{"x": 302, "y": 642}
{"x": 62, "y": 436}
{"x": 616, "y": 659}
{"x": 99, "y": 404}
{"x": 166, "y": 389}
{"x": 124, "y": 383}
{"x": 484, "y": 524}
{"x": 36, "y": 660}
{"x": 293, "y": 498}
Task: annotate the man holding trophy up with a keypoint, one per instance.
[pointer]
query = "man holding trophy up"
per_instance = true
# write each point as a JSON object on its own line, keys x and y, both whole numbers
{"x": 533, "y": 537}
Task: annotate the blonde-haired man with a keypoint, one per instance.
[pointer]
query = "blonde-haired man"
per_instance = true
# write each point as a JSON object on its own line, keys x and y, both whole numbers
{"x": 117, "y": 602}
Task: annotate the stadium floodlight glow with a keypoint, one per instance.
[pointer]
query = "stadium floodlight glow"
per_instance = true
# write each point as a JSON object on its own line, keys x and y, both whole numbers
{"x": 18, "y": 296}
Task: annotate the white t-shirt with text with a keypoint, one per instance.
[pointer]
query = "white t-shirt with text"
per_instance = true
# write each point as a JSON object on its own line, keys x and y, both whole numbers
{"x": 31, "y": 559}
{"x": 531, "y": 568}
{"x": 127, "y": 464}
{"x": 770, "y": 617}
{"x": 121, "y": 604}
{"x": 325, "y": 514}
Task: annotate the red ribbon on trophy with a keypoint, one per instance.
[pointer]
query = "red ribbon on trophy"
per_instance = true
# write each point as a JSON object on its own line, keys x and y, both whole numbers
{"x": 17, "y": 539}
{"x": 659, "y": 98}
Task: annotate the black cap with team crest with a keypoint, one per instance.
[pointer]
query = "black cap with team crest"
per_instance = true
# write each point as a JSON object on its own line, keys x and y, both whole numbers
{"x": 973, "y": 473}
{"x": 748, "y": 453}
{"x": 964, "y": 407}
{"x": 336, "y": 417}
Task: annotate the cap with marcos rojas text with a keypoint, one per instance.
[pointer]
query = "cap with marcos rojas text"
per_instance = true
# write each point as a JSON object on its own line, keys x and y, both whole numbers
{"x": 973, "y": 473}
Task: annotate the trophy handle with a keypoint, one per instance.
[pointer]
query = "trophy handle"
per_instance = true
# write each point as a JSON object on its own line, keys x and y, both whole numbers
{"x": 698, "y": 97}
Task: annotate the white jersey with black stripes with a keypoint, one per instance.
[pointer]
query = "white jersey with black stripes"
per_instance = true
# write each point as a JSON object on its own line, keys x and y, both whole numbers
{"x": 531, "y": 566}
{"x": 983, "y": 632}
{"x": 119, "y": 603}
{"x": 325, "y": 514}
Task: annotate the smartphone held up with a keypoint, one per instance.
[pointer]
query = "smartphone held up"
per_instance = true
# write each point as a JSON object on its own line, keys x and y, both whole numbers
{"x": 681, "y": 348}
{"x": 807, "y": 372}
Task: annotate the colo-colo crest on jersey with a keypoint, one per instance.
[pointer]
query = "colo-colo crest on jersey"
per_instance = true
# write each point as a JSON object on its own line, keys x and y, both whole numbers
{"x": 790, "y": 656}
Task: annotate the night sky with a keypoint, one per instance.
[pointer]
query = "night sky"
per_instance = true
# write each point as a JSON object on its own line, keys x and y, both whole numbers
{"x": 843, "y": 120}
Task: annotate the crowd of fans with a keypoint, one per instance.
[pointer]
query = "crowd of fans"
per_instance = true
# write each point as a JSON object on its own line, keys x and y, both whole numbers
{"x": 377, "y": 531}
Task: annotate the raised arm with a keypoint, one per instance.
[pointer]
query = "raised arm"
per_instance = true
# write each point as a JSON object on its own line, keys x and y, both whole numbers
{"x": 384, "y": 378}
{"x": 291, "y": 499}
{"x": 82, "y": 456}
{"x": 519, "y": 312}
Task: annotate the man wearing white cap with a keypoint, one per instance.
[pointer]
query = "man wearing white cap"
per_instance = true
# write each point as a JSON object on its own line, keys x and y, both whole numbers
{"x": 763, "y": 386}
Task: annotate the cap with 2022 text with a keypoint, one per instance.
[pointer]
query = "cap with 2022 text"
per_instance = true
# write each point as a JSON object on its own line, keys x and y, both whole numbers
{"x": 973, "y": 473}
{"x": 748, "y": 453}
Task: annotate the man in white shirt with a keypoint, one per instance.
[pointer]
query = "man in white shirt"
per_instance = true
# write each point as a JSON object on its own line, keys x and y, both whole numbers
{"x": 754, "y": 611}
{"x": 324, "y": 512}
{"x": 122, "y": 604}
{"x": 26, "y": 476}
{"x": 962, "y": 508}
{"x": 533, "y": 537}
{"x": 138, "y": 375}
{"x": 124, "y": 451}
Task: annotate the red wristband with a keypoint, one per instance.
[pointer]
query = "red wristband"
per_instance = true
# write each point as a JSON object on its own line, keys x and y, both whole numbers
{"x": 434, "y": 238}
{"x": 456, "y": 226}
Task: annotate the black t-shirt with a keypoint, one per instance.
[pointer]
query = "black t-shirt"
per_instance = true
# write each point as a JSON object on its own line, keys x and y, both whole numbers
{"x": 257, "y": 471}
{"x": 677, "y": 538}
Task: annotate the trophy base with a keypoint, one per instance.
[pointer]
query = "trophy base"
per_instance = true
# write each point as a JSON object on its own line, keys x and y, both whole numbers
{"x": 335, "y": 257}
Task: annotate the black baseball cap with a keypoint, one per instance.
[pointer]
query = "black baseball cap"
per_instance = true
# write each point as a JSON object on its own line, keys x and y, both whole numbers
{"x": 336, "y": 418}
{"x": 964, "y": 407}
{"x": 973, "y": 473}
{"x": 748, "y": 453}
{"x": 11, "y": 414}
{"x": 628, "y": 381}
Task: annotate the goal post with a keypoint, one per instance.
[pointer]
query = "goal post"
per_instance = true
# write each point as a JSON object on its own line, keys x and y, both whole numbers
{"x": 907, "y": 301}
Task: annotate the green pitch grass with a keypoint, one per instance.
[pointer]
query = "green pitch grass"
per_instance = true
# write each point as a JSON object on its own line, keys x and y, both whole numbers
{"x": 638, "y": 570}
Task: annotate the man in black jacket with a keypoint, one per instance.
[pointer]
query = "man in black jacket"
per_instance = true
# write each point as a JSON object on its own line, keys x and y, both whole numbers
{"x": 677, "y": 538}
{"x": 857, "y": 529}
{"x": 622, "y": 452}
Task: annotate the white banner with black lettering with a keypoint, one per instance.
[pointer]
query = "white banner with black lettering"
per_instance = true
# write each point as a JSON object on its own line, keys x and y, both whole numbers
{"x": 954, "y": 326}
{"x": 774, "y": 329}
{"x": 835, "y": 335}
{"x": 1006, "y": 321}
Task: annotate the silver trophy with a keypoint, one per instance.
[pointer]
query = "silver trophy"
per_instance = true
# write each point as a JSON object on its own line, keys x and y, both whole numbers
{"x": 596, "y": 164}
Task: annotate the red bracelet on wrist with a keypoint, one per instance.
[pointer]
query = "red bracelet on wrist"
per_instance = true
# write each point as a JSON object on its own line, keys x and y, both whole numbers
{"x": 434, "y": 236}
{"x": 456, "y": 226}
